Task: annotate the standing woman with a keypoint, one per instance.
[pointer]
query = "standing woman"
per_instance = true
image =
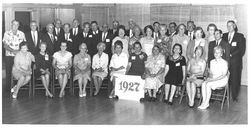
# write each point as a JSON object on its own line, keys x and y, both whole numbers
{"x": 154, "y": 72}
{"x": 164, "y": 41}
{"x": 21, "y": 70}
{"x": 210, "y": 32}
{"x": 198, "y": 41}
{"x": 82, "y": 64}
{"x": 147, "y": 42}
{"x": 100, "y": 66}
{"x": 118, "y": 64}
{"x": 136, "y": 64}
{"x": 181, "y": 39}
{"x": 43, "y": 65}
{"x": 62, "y": 63}
{"x": 121, "y": 37}
{"x": 136, "y": 37}
{"x": 218, "y": 76}
{"x": 176, "y": 72}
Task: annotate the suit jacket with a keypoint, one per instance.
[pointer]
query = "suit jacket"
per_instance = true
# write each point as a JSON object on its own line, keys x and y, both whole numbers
{"x": 31, "y": 45}
{"x": 186, "y": 32}
{"x": 50, "y": 44}
{"x": 94, "y": 41}
{"x": 190, "y": 49}
{"x": 76, "y": 41}
{"x": 237, "y": 48}
{"x": 60, "y": 34}
{"x": 69, "y": 42}
{"x": 226, "y": 55}
{"x": 108, "y": 41}
{"x": 88, "y": 41}
{"x": 127, "y": 33}
{"x": 113, "y": 33}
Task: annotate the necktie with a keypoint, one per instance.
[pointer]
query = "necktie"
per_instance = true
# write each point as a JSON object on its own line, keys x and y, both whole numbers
{"x": 103, "y": 37}
{"x": 34, "y": 37}
{"x": 75, "y": 32}
{"x": 217, "y": 43}
{"x": 67, "y": 37}
{"x": 229, "y": 37}
{"x": 52, "y": 38}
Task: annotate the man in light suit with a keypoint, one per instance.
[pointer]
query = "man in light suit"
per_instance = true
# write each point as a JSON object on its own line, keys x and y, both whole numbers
{"x": 50, "y": 39}
{"x": 237, "y": 49}
{"x": 218, "y": 42}
{"x": 33, "y": 38}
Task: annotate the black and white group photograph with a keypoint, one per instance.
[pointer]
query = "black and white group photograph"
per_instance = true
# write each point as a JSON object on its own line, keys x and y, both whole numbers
{"x": 177, "y": 63}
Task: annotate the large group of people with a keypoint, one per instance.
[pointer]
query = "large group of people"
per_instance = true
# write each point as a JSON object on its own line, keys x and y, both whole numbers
{"x": 164, "y": 55}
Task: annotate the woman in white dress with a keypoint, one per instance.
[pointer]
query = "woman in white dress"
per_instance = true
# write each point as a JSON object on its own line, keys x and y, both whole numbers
{"x": 147, "y": 42}
{"x": 82, "y": 65}
{"x": 218, "y": 76}
{"x": 100, "y": 66}
{"x": 118, "y": 64}
{"x": 62, "y": 62}
{"x": 154, "y": 71}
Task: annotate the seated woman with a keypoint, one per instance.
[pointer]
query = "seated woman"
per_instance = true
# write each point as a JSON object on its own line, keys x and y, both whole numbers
{"x": 136, "y": 64}
{"x": 154, "y": 72}
{"x": 43, "y": 65}
{"x": 22, "y": 68}
{"x": 82, "y": 64}
{"x": 118, "y": 64}
{"x": 62, "y": 62}
{"x": 218, "y": 76}
{"x": 195, "y": 70}
{"x": 176, "y": 72}
{"x": 100, "y": 66}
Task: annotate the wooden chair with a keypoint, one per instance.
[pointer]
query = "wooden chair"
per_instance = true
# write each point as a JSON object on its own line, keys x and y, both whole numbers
{"x": 55, "y": 83}
{"x": 37, "y": 82}
{"x": 25, "y": 87}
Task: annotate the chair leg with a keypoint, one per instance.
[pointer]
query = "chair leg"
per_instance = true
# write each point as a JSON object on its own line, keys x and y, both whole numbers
{"x": 30, "y": 88}
{"x": 223, "y": 100}
{"x": 228, "y": 96}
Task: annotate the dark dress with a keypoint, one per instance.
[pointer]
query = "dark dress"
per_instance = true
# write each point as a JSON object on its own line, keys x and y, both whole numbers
{"x": 175, "y": 75}
{"x": 42, "y": 63}
{"x": 137, "y": 64}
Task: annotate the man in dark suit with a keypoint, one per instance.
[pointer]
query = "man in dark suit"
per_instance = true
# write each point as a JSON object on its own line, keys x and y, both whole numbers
{"x": 218, "y": 42}
{"x": 58, "y": 30}
{"x": 97, "y": 37}
{"x": 131, "y": 25}
{"x": 87, "y": 37}
{"x": 66, "y": 37}
{"x": 50, "y": 39}
{"x": 172, "y": 29}
{"x": 114, "y": 31}
{"x": 107, "y": 39}
{"x": 76, "y": 36}
{"x": 156, "y": 26}
{"x": 33, "y": 38}
{"x": 237, "y": 50}
{"x": 190, "y": 30}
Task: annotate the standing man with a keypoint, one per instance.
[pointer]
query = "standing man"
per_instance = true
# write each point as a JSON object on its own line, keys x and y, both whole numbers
{"x": 97, "y": 37}
{"x": 218, "y": 42}
{"x": 190, "y": 30}
{"x": 50, "y": 39}
{"x": 107, "y": 39}
{"x": 172, "y": 29}
{"x": 11, "y": 41}
{"x": 156, "y": 26}
{"x": 131, "y": 24}
{"x": 66, "y": 37}
{"x": 114, "y": 31}
{"x": 87, "y": 37}
{"x": 238, "y": 44}
{"x": 76, "y": 36}
{"x": 58, "y": 31}
{"x": 33, "y": 38}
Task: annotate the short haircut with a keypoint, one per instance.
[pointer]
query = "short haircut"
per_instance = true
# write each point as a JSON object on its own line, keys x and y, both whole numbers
{"x": 118, "y": 42}
{"x": 156, "y": 46}
{"x": 163, "y": 25}
{"x": 212, "y": 25}
{"x": 82, "y": 44}
{"x": 100, "y": 43}
{"x": 85, "y": 23}
{"x": 199, "y": 47}
{"x": 42, "y": 43}
{"x": 121, "y": 27}
{"x": 47, "y": 26}
{"x": 173, "y": 24}
{"x": 94, "y": 22}
{"x": 190, "y": 21}
{"x": 219, "y": 48}
{"x": 137, "y": 42}
{"x": 235, "y": 26}
{"x": 33, "y": 21}
{"x": 149, "y": 27}
{"x": 66, "y": 24}
{"x": 136, "y": 26}
{"x": 156, "y": 23}
{"x": 177, "y": 44}
{"x": 15, "y": 21}
{"x": 220, "y": 31}
{"x": 23, "y": 43}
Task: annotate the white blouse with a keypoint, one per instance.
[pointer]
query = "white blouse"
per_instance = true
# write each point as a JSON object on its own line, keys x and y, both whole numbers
{"x": 101, "y": 62}
{"x": 118, "y": 61}
{"x": 218, "y": 68}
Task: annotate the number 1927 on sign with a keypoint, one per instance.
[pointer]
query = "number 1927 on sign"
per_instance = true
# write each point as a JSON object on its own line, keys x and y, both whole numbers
{"x": 129, "y": 86}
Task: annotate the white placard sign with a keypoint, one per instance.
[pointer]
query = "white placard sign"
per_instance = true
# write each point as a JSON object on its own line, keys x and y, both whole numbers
{"x": 129, "y": 87}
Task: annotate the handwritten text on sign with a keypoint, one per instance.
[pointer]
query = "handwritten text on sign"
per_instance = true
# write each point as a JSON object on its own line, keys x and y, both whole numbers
{"x": 129, "y": 87}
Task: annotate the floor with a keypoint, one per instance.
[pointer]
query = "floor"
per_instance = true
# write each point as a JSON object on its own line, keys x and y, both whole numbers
{"x": 101, "y": 110}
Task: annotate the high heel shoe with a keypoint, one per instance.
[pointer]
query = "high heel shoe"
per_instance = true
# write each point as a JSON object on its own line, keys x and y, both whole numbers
{"x": 14, "y": 96}
{"x": 13, "y": 89}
